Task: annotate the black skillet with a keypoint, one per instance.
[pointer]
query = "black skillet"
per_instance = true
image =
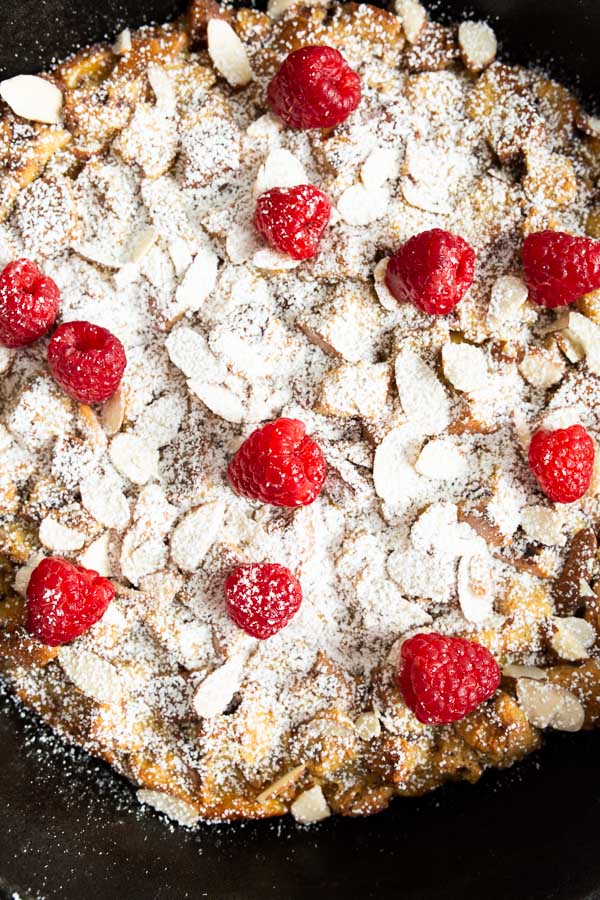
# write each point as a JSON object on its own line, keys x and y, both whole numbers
{"x": 69, "y": 830}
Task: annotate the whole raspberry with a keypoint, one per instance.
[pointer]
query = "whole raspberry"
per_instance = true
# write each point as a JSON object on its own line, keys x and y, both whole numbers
{"x": 262, "y": 598}
{"x": 64, "y": 600}
{"x": 292, "y": 220}
{"x": 279, "y": 464}
{"x": 87, "y": 361}
{"x": 28, "y": 303}
{"x": 562, "y": 462}
{"x": 314, "y": 88}
{"x": 443, "y": 679}
{"x": 432, "y": 270}
{"x": 560, "y": 268}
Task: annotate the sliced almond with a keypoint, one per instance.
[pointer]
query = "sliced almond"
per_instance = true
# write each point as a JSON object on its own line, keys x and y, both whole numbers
{"x": 541, "y": 370}
{"x": 385, "y": 297}
{"x": 97, "y": 556}
{"x": 310, "y": 806}
{"x": 514, "y": 670}
{"x": 195, "y": 534}
{"x": 361, "y": 206}
{"x": 181, "y": 812}
{"x": 6, "y": 358}
{"x": 272, "y": 260}
{"x": 199, "y": 280}
{"x": 441, "y": 459}
{"x": 143, "y": 242}
{"x": 413, "y": 17}
{"x": 56, "y": 536}
{"x": 380, "y": 166}
{"x": 507, "y": 305}
{"x": 550, "y": 706}
{"x": 476, "y": 585}
{"x": 394, "y": 477}
{"x": 32, "y": 97}
{"x": 280, "y": 169}
{"x": 222, "y": 401}
{"x": 572, "y": 638}
{"x": 424, "y": 196}
{"x": 465, "y": 366}
{"x": 133, "y": 458}
{"x": 122, "y": 43}
{"x": 368, "y": 725}
{"x": 215, "y": 692}
{"x": 228, "y": 53}
{"x": 544, "y": 524}
{"x": 189, "y": 351}
{"x": 113, "y": 413}
{"x": 424, "y": 399}
{"x": 478, "y": 45}
{"x": 282, "y": 783}
{"x": 92, "y": 675}
{"x": 102, "y": 496}
{"x": 587, "y": 334}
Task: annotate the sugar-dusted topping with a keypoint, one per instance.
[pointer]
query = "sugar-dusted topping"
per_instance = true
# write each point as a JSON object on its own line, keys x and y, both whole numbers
{"x": 429, "y": 518}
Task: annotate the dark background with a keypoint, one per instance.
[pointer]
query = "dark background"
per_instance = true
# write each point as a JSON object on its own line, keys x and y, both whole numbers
{"x": 69, "y": 829}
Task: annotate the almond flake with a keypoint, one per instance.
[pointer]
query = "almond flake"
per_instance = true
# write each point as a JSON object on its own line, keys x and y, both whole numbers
{"x": 32, "y": 97}
{"x": 242, "y": 242}
{"x": 385, "y": 297}
{"x": 97, "y": 556}
{"x": 381, "y": 165}
{"x": 544, "y": 524}
{"x": 219, "y": 399}
{"x": 441, "y": 459}
{"x": 465, "y": 366}
{"x": 280, "y": 169}
{"x": 181, "y": 812}
{"x": 215, "y": 692}
{"x": 113, "y": 412}
{"x": 573, "y": 638}
{"x": 6, "y": 358}
{"x": 548, "y": 705}
{"x": 122, "y": 42}
{"x": 199, "y": 280}
{"x": 189, "y": 351}
{"x": 142, "y": 243}
{"x": 276, "y": 9}
{"x": 361, "y": 206}
{"x": 23, "y": 573}
{"x": 413, "y": 17}
{"x": 518, "y": 671}
{"x": 394, "y": 477}
{"x": 423, "y": 196}
{"x": 92, "y": 675}
{"x": 540, "y": 371}
{"x": 195, "y": 534}
{"x": 587, "y": 334}
{"x": 282, "y": 783}
{"x": 133, "y": 458}
{"x": 423, "y": 397}
{"x": 507, "y": 302}
{"x": 103, "y": 498}
{"x": 476, "y": 585}
{"x": 56, "y": 536}
{"x": 310, "y": 806}
{"x": 273, "y": 260}
{"x": 478, "y": 45}
{"x": 228, "y": 53}
{"x": 368, "y": 726}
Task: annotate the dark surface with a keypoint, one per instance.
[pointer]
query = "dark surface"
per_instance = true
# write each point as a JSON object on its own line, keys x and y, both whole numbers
{"x": 69, "y": 829}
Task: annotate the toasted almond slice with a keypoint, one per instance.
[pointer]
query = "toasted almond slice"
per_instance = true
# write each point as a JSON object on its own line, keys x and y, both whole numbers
{"x": 280, "y": 169}
{"x": 133, "y": 458}
{"x": 217, "y": 689}
{"x": 122, "y": 42}
{"x": 143, "y": 242}
{"x": 113, "y": 413}
{"x": 476, "y": 585}
{"x": 6, "y": 358}
{"x": 195, "y": 534}
{"x": 92, "y": 427}
{"x": 228, "y": 53}
{"x": 199, "y": 280}
{"x": 381, "y": 165}
{"x": 507, "y": 302}
{"x": 310, "y": 806}
{"x": 56, "y": 536}
{"x": 276, "y": 9}
{"x": 32, "y": 97}
{"x": 587, "y": 334}
{"x": 514, "y": 670}
{"x": 540, "y": 371}
{"x": 544, "y": 524}
{"x": 103, "y": 498}
{"x": 394, "y": 477}
{"x": 422, "y": 196}
{"x": 181, "y": 812}
{"x": 573, "y": 638}
{"x": 361, "y": 206}
{"x": 385, "y": 297}
{"x": 219, "y": 399}
{"x": 368, "y": 725}
{"x": 97, "y": 556}
{"x": 441, "y": 459}
{"x": 92, "y": 675}
{"x": 549, "y": 705}
{"x": 189, "y": 351}
{"x": 23, "y": 574}
{"x": 465, "y": 366}
{"x": 478, "y": 45}
{"x": 413, "y": 17}
{"x": 242, "y": 243}
{"x": 424, "y": 399}
{"x": 282, "y": 783}
{"x": 273, "y": 261}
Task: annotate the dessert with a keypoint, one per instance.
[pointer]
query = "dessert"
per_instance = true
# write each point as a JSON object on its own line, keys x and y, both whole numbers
{"x": 299, "y": 343}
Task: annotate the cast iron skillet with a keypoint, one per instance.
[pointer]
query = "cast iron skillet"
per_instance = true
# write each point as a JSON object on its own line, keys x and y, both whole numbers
{"x": 69, "y": 827}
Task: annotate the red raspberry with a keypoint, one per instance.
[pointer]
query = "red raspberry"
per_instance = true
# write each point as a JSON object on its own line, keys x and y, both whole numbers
{"x": 64, "y": 600}
{"x": 443, "y": 679}
{"x": 28, "y": 303}
{"x": 292, "y": 220}
{"x": 262, "y": 598}
{"x": 562, "y": 462}
{"x": 432, "y": 270}
{"x": 314, "y": 88}
{"x": 87, "y": 361}
{"x": 279, "y": 464}
{"x": 560, "y": 268}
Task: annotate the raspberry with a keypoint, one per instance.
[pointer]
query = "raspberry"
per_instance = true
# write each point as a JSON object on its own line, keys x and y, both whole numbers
{"x": 292, "y": 220}
{"x": 432, "y": 270}
{"x": 279, "y": 464}
{"x": 314, "y": 88}
{"x": 560, "y": 268}
{"x": 64, "y": 600}
{"x": 443, "y": 679}
{"x": 262, "y": 598}
{"x": 87, "y": 361}
{"x": 28, "y": 303}
{"x": 562, "y": 462}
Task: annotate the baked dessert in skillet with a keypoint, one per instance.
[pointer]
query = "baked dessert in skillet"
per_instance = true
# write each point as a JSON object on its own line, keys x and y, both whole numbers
{"x": 299, "y": 320}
